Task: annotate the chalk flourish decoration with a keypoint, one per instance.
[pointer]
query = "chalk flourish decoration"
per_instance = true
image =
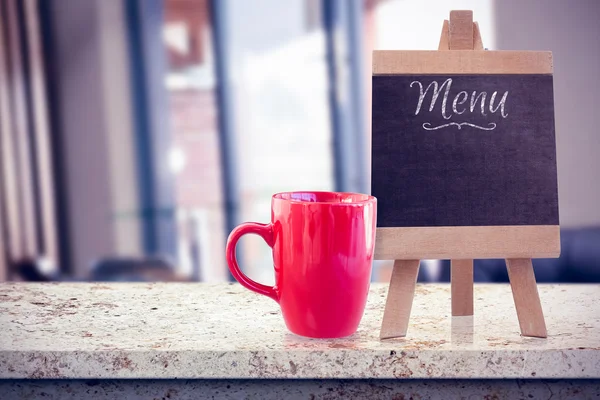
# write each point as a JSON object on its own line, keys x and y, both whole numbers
{"x": 427, "y": 126}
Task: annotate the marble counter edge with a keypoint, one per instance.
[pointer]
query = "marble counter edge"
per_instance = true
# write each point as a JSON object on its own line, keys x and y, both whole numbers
{"x": 303, "y": 364}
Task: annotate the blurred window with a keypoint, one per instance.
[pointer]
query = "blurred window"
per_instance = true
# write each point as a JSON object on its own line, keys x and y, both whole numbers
{"x": 279, "y": 119}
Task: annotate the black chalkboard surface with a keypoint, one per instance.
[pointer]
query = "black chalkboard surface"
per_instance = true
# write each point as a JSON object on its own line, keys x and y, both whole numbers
{"x": 464, "y": 150}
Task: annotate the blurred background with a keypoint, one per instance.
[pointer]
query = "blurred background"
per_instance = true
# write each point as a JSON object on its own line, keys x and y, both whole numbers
{"x": 135, "y": 134}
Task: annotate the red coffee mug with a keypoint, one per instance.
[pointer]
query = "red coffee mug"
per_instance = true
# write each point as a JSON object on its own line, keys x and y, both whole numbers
{"x": 322, "y": 253}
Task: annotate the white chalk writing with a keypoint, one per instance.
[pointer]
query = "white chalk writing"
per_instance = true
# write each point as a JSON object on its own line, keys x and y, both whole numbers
{"x": 477, "y": 103}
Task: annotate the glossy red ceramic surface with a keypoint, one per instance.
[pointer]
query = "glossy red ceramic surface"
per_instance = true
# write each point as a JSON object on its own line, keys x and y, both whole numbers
{"x": 322, "y": 253}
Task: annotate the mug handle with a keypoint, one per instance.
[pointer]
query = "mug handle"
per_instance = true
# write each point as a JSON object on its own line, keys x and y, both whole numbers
{"x": 266, "y": 232}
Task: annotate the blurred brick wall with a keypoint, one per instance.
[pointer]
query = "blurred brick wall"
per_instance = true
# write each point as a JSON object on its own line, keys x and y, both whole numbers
{"x": 198, "y": 185}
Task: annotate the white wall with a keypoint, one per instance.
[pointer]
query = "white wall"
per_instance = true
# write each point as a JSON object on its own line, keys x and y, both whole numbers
{"x": 571, "y": 30}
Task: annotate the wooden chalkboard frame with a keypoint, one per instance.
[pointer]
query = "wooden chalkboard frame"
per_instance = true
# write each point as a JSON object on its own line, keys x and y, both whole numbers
{"x": 518, "y": 244}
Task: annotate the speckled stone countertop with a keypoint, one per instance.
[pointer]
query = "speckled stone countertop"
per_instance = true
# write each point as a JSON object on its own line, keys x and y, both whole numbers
{"x": 185, "y": 330}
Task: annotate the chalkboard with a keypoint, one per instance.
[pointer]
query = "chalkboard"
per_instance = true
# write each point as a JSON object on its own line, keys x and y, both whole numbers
{"x": 473, "y": 149}
{"x": 453, "y": 162}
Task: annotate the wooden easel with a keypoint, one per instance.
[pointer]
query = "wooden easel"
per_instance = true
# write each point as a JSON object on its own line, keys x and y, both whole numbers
{"x": 461, "y": 33}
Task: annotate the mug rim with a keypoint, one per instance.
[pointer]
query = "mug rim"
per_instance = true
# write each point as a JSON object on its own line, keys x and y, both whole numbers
{"x": 368, "y": 198}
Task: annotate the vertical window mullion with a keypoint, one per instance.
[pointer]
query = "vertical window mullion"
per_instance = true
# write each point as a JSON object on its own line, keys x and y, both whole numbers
{"x": 225, "y": 112}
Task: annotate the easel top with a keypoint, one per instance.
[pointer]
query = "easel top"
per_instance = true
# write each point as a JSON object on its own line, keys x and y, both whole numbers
{"x": 472, "y": 62}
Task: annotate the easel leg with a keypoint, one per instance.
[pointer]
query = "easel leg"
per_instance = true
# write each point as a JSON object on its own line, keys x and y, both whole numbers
{"x": 526, "y": 296}
{"x": 461, "y": 277}
{"x": 399, "y": 299}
